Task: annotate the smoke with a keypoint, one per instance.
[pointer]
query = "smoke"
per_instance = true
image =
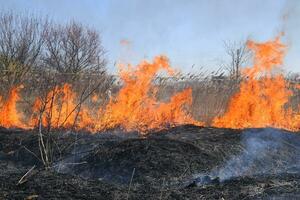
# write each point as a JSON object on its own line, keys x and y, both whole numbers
{"x": 265, "y": 151}
{"x": 291, "y": 28}
{"x": 67, "y": 164}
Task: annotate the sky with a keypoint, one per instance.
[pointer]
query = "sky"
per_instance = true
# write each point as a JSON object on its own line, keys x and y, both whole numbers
{"x": 191, "y": 33}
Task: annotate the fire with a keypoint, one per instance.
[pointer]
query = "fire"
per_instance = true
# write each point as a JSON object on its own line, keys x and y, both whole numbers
{"x": 60, "y": 110}
{"x": 10, "y": 117}
{"x": 263, "y": 96}
{"x": 136, "y": 108}
{"x": 262, "y": 100}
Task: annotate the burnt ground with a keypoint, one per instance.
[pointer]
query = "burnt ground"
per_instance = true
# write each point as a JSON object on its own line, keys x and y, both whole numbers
{"x": 248, "y": 164}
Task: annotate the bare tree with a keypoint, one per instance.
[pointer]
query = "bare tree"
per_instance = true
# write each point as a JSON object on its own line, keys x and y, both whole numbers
{"x": 20, "y": 47}
{"x": 73, "y": 49}
{"x": 239, "y": 55}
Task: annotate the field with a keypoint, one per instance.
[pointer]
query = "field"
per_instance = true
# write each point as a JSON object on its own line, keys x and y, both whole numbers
{"x": 72, "y": 129}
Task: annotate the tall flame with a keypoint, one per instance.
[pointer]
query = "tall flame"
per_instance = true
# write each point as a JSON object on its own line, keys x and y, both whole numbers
{"x": 262, "y": 98}
{"x": 136, "y": 108}
{"x": 10, "y": 117}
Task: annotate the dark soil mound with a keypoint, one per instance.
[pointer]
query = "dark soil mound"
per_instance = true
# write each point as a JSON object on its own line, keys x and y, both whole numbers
{"x": 251, "y": 164}
{"x": 151, "y": 159}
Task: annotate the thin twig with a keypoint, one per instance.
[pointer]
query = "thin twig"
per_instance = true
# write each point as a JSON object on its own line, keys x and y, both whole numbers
{"x": 24, "y": 177}
{"x": 132, "y": 175}
{"x": 32, "y": 153}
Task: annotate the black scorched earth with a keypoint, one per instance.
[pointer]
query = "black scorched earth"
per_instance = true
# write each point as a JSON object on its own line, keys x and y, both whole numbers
{"x": 185, "y": 162}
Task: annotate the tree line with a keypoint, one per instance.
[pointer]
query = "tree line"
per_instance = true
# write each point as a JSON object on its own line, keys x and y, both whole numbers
{"x": 31, "y": 46}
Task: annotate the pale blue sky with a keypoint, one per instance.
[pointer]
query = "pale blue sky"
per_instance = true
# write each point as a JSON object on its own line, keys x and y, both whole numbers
{"x": 189, "y": 32}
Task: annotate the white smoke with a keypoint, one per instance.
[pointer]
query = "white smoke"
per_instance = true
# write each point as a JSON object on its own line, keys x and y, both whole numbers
{"x": 265, "y": 151}
{"x": 291, "y": 29}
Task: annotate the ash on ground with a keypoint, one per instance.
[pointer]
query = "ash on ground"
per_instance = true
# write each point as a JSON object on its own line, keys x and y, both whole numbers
{"x": 224, "y": 163}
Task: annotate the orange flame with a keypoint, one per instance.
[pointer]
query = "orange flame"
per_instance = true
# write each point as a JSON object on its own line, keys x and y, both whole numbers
{"x": 261, "y": 101}
{"x": 10, "y": 117}
{"x": 136, "y": 108}
{"x": 60, "y": 110}
{"x": 263, "y": 96}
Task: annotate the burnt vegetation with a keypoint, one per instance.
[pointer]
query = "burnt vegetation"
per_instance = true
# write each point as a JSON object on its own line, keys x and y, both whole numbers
{"x": 168, "y": 164}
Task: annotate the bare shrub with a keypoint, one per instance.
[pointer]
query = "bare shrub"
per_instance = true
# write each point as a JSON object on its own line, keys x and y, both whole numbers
{"x": 238, "y": 55}
{"x": 72, "y": 49}
{"x": 41, "y": 56}
{"x": 20, "y": 47}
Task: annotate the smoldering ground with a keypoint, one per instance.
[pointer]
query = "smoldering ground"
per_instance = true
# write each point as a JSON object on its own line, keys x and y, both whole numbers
{"x": 264, "y": 152}
{"x": 251, "y": 164}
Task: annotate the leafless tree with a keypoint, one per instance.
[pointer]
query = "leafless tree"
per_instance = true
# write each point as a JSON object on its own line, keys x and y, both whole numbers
{"x": 21, "y": 43}
{"x": 239, "y": 55}
{"x": 72, "y": 49}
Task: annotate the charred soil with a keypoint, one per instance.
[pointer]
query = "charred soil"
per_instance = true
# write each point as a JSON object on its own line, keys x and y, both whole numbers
{"x": 161, "y": 165}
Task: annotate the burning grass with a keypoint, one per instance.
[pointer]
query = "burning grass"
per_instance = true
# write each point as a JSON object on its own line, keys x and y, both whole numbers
{"x": 10, "y": 116}
{"x": 263, "y": 96}
{"x": 262, "y": 100}
{"x": 61, "y": 107}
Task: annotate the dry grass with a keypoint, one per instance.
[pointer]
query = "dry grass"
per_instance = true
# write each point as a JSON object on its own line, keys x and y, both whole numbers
{"x": 211, "y": 93}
